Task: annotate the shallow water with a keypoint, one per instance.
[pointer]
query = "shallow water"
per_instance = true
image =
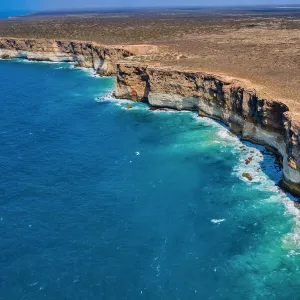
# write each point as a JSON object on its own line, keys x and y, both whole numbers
{"x": 101, "y": 202}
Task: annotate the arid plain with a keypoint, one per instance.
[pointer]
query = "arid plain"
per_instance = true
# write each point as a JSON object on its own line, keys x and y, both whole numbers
{"x": 260, "y": 46}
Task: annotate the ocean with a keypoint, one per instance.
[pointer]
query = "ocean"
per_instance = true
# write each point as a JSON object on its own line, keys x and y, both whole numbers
{"x": 13, "y": 13}
{"x": 103, "y": 202}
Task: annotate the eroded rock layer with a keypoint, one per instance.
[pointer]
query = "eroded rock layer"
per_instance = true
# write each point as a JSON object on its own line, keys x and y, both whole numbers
{"x": 264, "y": 121}
{"x": 85, "y": 54}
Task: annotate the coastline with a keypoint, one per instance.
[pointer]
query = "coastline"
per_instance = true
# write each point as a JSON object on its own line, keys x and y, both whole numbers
{"x": 243, "y": 110}
{"x": 101, "y": 58}
{"x": 247, "y": 113}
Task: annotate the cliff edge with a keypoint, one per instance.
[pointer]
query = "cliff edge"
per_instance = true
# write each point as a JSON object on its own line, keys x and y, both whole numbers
{"x": 101, "y": 58}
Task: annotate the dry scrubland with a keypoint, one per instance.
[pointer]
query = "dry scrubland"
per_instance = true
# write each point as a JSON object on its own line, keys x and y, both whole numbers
{"x": 260, "y": 46}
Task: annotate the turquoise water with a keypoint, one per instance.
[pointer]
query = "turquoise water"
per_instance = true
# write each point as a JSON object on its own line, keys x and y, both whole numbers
{"x": 101, "y": 202}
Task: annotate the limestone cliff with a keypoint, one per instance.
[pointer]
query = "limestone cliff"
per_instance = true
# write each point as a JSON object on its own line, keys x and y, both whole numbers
{"x": 85, "y": 54}
{"x": 248, "y": 114}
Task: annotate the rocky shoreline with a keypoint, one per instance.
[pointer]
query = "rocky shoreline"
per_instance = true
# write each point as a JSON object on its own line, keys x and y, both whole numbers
{"x": 103, "y": 59}
{"x": 252, "y": 117}
{"x": 247, "y": 113}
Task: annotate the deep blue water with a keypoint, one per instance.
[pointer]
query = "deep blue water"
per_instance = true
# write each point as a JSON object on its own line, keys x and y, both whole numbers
{"x": 101, "y": 202}
{"x": 13, "y": 13}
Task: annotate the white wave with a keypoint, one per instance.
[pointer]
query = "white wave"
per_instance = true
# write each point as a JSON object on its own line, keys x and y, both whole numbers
{"x": 89, "y": 71}
{"x": 33, "y": 284}
{"x": 226, "y": 136}
{"x": 258, "y": 165}
{"x": 65, "y": 66}
{"x": 292, "y": 239}
{"x": 170, "y": 111}
{"x": 29, "y": 61}
{"x": 293, "y": 253}
{"x": 217, "y": 221}
{"x": 105, "y": 98}
{"x": 124, "y": 104}
{"x": 208, "y": 121}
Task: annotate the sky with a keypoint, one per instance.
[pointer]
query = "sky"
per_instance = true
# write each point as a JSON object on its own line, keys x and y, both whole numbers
{"x": 33, "y": 5}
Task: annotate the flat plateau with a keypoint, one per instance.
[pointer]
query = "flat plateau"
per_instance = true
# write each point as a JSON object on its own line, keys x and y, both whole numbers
{"x": 260, "y": 46}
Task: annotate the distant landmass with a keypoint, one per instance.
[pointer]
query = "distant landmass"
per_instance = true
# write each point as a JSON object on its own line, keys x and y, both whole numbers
{"x": 14, "y": 13}
{"x": 82, "y": 11}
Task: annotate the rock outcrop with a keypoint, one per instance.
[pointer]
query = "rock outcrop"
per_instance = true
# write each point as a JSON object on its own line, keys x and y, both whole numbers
{"x": 264, "y": 121}
{"x": 85, "y": 54}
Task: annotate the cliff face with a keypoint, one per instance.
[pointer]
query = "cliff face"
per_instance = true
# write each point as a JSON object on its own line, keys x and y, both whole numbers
{"x": 260, "y": 120}
{"x": 252, "y": 116}
{"x": 85, "y": 54}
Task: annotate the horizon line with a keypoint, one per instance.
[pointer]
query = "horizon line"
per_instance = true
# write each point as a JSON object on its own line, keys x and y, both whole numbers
{"x": 36, "y": 10}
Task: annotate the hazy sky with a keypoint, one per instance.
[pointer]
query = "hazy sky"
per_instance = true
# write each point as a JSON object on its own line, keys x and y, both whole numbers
{"x": 52, "y": 4}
